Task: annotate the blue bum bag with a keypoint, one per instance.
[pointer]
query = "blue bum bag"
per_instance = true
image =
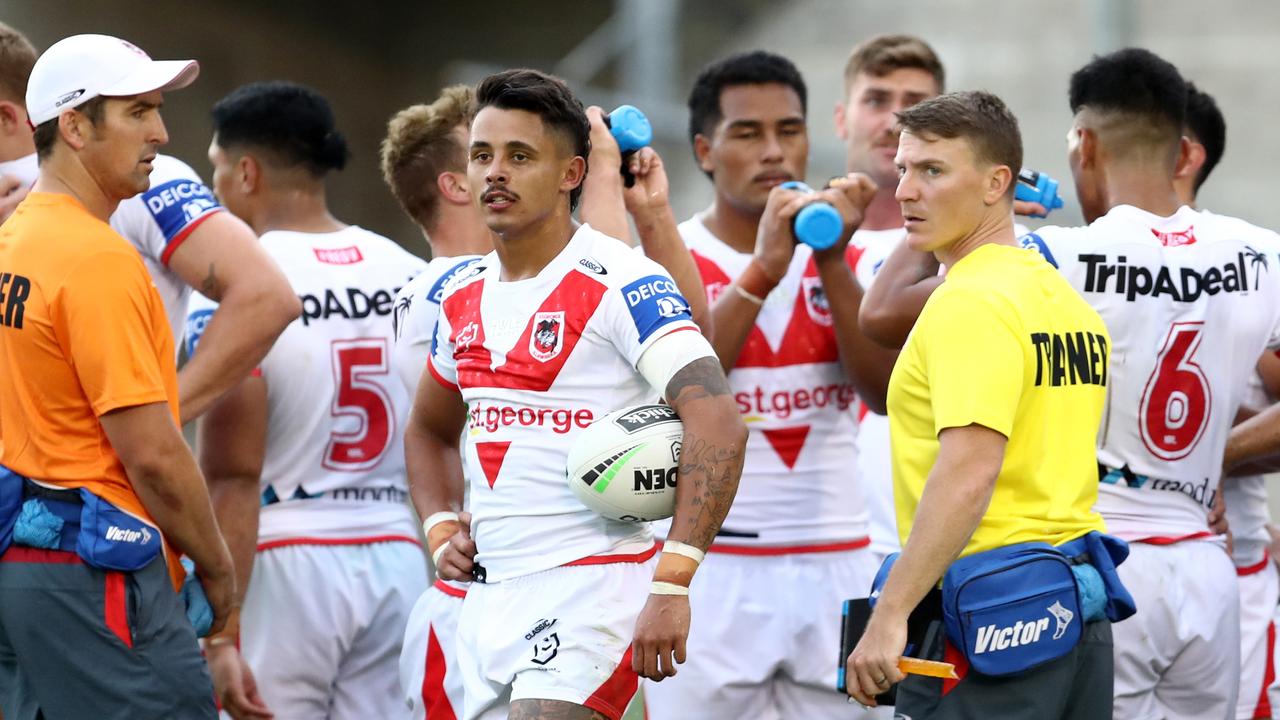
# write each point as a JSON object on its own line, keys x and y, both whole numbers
{"x": 104, "y": 536}
{"x": 1015, "y": 608}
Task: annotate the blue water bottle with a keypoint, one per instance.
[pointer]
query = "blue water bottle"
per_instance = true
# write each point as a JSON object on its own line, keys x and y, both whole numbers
{"x": 1037, "y": 187}
{"x": 631, "y": 129}
{"x": 818, "y": 224}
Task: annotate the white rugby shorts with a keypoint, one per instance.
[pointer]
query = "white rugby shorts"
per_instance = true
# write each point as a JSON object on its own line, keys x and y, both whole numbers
{"x": 430, "y": 682}
{"x": 322, "y": 627}
{"x": 764, "y": 638}
{"x": 560, "y": 634}
{"x": 1259, "y": 595}
{"x": 1178, "y": 657}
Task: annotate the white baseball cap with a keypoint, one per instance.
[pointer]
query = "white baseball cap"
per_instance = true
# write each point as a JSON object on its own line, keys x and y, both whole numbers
{"x": 77, "y": 69}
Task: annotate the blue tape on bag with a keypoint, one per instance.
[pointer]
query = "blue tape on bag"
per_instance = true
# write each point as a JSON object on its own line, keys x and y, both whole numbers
{"x": 112, "y": 539}
{"x": 37, "y": 526}
{"x": 199, "y": 611}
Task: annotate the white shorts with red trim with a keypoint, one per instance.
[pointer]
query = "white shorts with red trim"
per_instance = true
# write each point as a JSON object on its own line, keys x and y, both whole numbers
{"x": 1178, "y": 658}
{"x": 430, "y": 682}
{"x": 560, "y": 634}
{"x": 1259, "y": 594}
{"x": 322, "y": 627}
{"x": 765, "y": 636}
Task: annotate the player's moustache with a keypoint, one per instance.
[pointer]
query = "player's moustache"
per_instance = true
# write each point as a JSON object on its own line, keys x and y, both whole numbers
{"x": 498, "y": 191}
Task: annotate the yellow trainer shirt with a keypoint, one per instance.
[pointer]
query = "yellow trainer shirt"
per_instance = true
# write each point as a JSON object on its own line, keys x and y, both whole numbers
{"x": 1008, "y": 344}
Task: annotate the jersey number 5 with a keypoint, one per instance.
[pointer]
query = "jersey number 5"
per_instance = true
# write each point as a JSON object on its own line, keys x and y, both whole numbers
{"x": 1176, "y": 402}
{"x": 357, "y": 365}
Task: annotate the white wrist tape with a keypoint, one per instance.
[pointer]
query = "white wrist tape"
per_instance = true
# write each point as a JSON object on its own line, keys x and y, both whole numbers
{"x": 435, "y": 556}
{"x": 435, "y": 519}
{"x": 665, "y": 588}
{"x": 679, "y": 548}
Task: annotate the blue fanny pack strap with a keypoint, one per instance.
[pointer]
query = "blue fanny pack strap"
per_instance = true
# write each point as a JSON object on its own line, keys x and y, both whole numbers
{"x": 1105, "y": 553}
{"x": 10, "y": 505}
{"x": 881, "y": 576}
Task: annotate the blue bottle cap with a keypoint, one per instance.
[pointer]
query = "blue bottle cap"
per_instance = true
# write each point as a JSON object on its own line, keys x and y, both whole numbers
{"x": 818, "y": 225}
{"x": 630, "y": 128}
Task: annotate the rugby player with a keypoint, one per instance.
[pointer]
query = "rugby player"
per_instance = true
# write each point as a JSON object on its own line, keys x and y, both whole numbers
{"x": 1245, "y": 497}
{"x": 424, "y": 163}
{"x": 186, "y": 242}
{"x": 569, "y": 584}
{"x": 794, "y": 545}
{"x": 99, "y": 490}
{"x": 305, "y": 458}
{"x": 883, "y": 76}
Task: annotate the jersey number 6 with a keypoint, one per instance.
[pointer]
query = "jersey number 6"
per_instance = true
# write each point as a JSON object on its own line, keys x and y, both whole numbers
{"x": 1176, "y": 402}
{"x": 362, "y": 399}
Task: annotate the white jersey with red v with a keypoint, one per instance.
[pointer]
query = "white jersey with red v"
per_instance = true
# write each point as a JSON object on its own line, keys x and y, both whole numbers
{"x": 1191, "y": 301}
{"x": 334, "y": 466}
{"x": 537, "y": 361}
{"x": 798, "y": 485}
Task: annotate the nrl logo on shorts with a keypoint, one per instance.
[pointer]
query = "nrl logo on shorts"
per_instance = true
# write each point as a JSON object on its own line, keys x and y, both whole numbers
{"x": 547, "y": 338}
{"x": 815, "y": 300}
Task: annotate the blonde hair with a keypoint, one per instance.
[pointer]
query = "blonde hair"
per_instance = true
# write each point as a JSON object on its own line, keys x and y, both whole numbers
{"x": 420, "y": 145}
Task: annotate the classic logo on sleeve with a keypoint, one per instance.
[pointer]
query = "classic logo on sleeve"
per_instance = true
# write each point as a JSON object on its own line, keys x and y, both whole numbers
{"x": 1032, "y": 241}
{"x": 196, "y": 323}
{"x": 654, "y": 302}
{"x": 177, "y": 204}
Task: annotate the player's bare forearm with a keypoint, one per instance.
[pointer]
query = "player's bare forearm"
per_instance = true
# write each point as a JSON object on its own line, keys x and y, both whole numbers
{"x": 896, "y": 298}
{"x": 231, "y": 444}
{"x": 602, "y": 205}
{"x": 431, "y": 452}
{"x": 866, "y": 363}
{"x": 165, "y": 476}
{"x": 660, "y": 238}
{"x": 711, "y": 454}
{"x": 1253, "y": 441}
{"x": 223, "y": 261}
{"x": 956, "y": 496}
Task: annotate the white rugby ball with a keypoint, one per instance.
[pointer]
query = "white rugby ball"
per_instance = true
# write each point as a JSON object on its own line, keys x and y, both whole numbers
{"x": 623, "y": 465}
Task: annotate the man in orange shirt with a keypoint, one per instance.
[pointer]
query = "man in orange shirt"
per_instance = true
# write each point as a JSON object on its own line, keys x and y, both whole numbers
{"x": 95, "y": 477}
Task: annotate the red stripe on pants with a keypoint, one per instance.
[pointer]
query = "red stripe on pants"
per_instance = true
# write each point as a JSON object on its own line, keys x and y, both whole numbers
{"x": 434, "y": 698}
{"x": 612, "y": 697}
{"x": 1263, "y": 709}
{"x": 115, "y": 609}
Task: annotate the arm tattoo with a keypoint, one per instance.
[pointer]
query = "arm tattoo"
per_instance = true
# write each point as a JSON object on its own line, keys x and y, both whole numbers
{"x": 709, "y": 466}
{"x": 702, "y": 378}
{"x": 531, "y": 709}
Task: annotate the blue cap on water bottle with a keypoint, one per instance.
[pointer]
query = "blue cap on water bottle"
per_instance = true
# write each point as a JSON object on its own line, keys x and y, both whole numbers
{"x": 818, "y": 225}
{"x": 630, "y": 128}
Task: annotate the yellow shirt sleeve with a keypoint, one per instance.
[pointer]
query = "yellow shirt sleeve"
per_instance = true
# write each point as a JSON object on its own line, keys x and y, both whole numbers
{"x": 105, "y": 320}
{"x": 974, "y": 361}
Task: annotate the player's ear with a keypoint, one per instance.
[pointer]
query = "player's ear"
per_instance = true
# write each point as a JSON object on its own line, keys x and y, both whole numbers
{"x": 1088, "y": 144}
{"x": 73, "y": 127}
{"x": 248, "y": 173}
{"x": 453, "y": 188}
{"x": 1191, "y": 157}
{"x": 841, "y": 132}
{"x": 575, "y": 172}
{"x": 702, "y": 152}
